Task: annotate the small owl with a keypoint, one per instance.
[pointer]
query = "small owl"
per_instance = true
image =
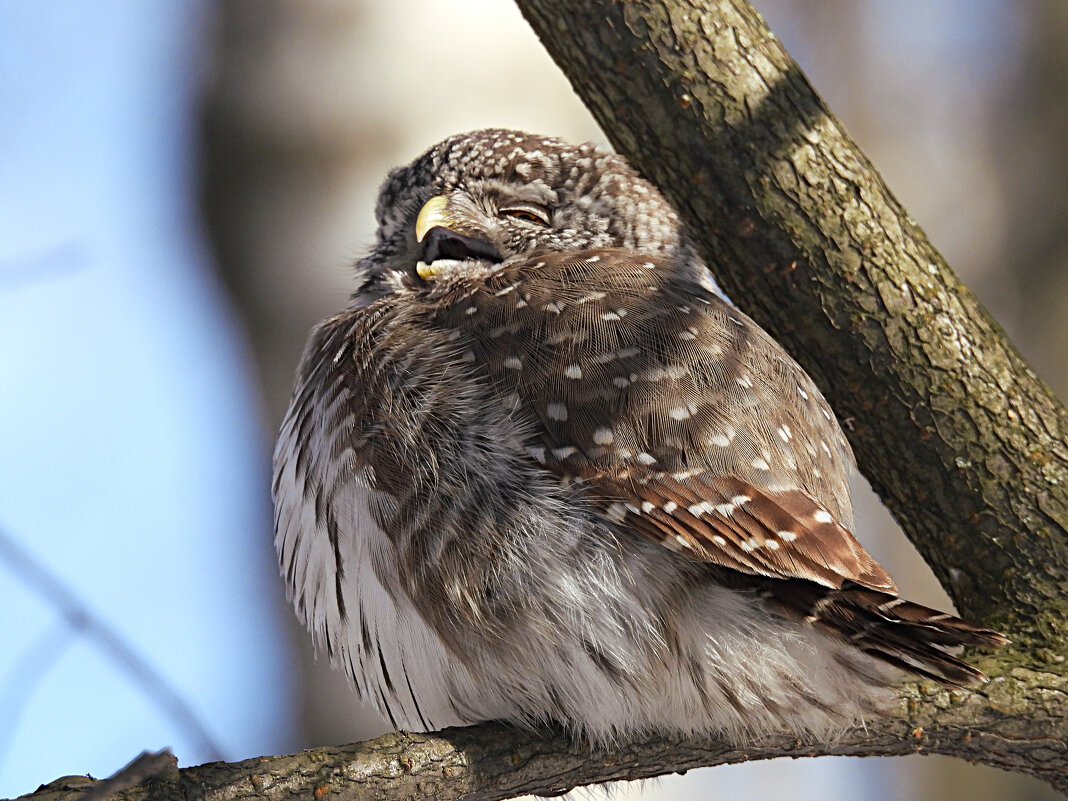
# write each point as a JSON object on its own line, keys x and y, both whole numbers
{"x": 541, "y": 470}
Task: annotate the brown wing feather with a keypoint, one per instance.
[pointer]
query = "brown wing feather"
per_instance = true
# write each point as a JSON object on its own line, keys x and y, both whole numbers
{"x": 688, "y": 425}
{"x": 734, "y": 524}
{"x": 660, "y": 396}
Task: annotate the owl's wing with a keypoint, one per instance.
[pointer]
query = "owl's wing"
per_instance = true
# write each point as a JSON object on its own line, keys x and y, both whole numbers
{"x": 681, "y": 418}
{"x": 735, "y": 524}
{"x": 683, "y": 422}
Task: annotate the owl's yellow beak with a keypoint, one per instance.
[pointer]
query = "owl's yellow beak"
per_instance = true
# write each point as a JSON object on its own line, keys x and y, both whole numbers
{"x": 448, "y": 239}
{"x": 435, "y": 212}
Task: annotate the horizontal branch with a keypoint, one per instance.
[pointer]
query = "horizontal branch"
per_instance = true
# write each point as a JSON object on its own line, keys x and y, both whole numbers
{"x": 1019, "y": 722}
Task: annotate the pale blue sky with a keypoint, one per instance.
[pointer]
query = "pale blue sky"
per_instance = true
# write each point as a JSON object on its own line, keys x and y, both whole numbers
{"x": 132, "y": 459}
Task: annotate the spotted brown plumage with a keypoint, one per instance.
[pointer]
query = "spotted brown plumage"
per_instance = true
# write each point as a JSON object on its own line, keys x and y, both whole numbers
{"x": 540, "y": 469}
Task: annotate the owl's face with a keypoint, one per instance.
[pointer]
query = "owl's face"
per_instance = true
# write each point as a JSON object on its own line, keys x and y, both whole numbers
{"x": 476, "y": 200}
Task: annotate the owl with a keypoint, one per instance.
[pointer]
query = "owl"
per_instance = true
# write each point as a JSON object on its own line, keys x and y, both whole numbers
{"x": 541, "y": 470}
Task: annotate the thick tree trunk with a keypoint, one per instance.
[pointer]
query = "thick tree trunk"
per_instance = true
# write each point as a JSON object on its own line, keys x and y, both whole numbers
{"x": 965, "y": 445}
{"x": 967, "y": 448}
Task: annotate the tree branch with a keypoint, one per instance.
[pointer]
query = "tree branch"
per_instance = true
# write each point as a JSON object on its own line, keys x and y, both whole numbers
{"x": 1017, "y": 724}
{"x": 964, "y": 444}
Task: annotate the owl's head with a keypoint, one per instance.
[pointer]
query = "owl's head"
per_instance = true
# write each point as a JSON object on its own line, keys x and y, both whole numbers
{"x": 476, "y": 200}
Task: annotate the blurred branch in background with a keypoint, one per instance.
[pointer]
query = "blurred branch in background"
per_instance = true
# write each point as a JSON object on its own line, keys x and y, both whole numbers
{"x": 81, "y": 621}
{"x": 53, "y": 262}
{"x": 1032, "y": 164}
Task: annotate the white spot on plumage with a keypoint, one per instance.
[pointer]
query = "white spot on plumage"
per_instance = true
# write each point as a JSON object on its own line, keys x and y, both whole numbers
{"x": 725, "y": 509}
{"x": 621, "y": 381}
{"x": 786, "y": 536}
{"x": 616, "y": 512}
{"x": 603, "y": 436}
{"x": 720, "y": 440}
{"x": 471, "y": 310}
{"x": 822, "y": 516}
{"x": 785, "y": 433}
{"x": 648, "y": 506}
{"x": 679, "y": 413}
{"x": 689, "y": 333}
{"x": 801, "y": 392}
{"x": 537, "y": 454}
{"x": 593, "y": 259}
{"x": 740, "y": 500}
{"x": 520, "y": 303}
{"x": 556, "y": 411}
{"x": 760, "y": 464}
{"x": 573, "y": 371}
{"x": 670, "y": 506}
{"x": 645, "y": 458}
{"x": 554, "y": 307}
{"x": 772, "y": 545}
{"x": 681, "y": 540}
{"x": 696, "y": 510}
{"x": 745, "y": 381}
{"x": 506, "y": 290}
{"x": 612, "y": 355}
{"x": 660, "y": 373}
{"x": 513, "y": 363}
{"x": 618, "y": 314}
{"x": 564, "y": 452}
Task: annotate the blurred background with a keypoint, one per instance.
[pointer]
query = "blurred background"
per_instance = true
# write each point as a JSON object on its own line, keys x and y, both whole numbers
{"x": 183, "y": 186}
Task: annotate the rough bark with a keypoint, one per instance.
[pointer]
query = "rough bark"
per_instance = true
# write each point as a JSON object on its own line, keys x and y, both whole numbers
{"x": 965, "y": 445}
{"x": 1019, "y": 725}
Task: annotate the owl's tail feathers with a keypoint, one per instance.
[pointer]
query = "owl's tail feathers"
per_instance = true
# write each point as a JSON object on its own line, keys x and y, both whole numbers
{"x": 906, "y": 635}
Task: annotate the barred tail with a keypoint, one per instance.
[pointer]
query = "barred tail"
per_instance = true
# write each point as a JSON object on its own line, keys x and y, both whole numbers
{"x": 907, "y": 635}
